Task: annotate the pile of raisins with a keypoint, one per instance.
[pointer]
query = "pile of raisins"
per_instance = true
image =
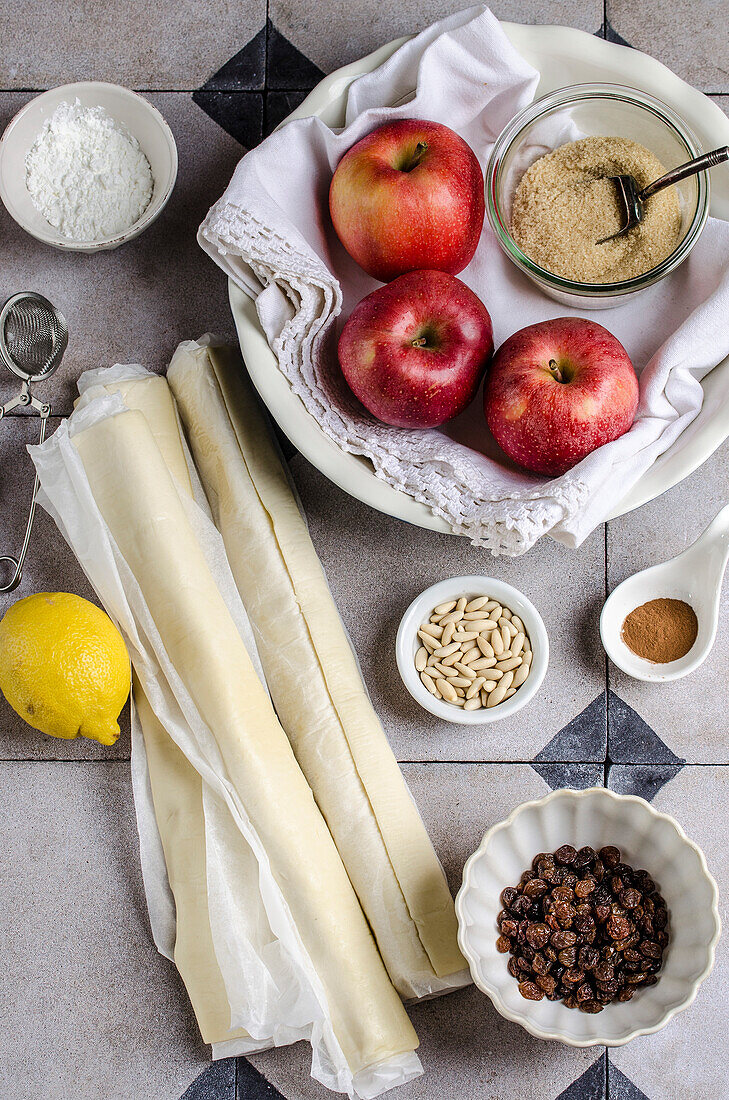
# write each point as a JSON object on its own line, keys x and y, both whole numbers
{"x": 583, "y": 928}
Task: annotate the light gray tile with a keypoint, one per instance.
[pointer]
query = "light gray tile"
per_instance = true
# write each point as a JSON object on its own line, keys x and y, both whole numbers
{"x": 690, "y": 38}
{"x": 50, "y": 567}
{"x": 651, "y": 534}
{"x": 89, "y": 1008}
{"x": 136, "y": 303}
{"x": 376, "y": 565}
{"x": 170, "y": 44}
{"x": 467, "y": 1050}
{"x": 333, "y": 35}
{"x": 686, "y": 1058}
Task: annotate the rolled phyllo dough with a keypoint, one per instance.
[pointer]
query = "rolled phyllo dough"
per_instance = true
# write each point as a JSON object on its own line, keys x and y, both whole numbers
{"x": 139, "y": 502}
{"x": 313, "y": 675}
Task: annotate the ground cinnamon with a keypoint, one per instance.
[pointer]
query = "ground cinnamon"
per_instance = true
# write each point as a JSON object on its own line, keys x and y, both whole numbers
{"x": 661, "y": 630}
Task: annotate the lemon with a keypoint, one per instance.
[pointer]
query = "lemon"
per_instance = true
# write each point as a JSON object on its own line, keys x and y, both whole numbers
{"x": 64, "y": 667}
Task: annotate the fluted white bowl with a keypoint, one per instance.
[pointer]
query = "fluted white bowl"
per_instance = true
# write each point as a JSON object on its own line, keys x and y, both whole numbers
{"x": 647, "y": 839}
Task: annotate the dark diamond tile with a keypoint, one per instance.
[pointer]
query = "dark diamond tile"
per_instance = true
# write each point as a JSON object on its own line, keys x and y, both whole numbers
{"x": 577, "y": 776}
{"x": 239, "y": 113}
{"x": 216, "y": 1083}
{"x": 278, "y": 105}
{"x": 622, "y": 1088}
{"x": 252, "y": 1085}
{"x": 631, "y": 740}
{"x": 286, "y": 66}
{"x": 608, "y": 32}
{"x": 644, "y": 780}
{"x": 246, "y": 70}
{"x": 591, "y": 1085}
{"x": 584, "y": 738}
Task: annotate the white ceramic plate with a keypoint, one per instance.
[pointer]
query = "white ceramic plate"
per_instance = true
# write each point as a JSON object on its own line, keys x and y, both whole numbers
{"x": 563, "y": 56}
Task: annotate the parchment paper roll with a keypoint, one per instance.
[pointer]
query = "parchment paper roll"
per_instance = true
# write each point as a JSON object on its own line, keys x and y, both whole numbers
{"x": 313, "y": 675}
{"x": 138, "y": 500}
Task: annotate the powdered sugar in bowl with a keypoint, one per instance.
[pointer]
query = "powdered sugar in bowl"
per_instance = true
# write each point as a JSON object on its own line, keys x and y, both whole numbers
{"x": 151, "y": 148}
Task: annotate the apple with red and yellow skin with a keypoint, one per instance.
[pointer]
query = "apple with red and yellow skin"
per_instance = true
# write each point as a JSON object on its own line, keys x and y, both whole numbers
{"x": 558, "y": 390}
{"x": 415, "y": 351}
{"x": 408, "y": 196}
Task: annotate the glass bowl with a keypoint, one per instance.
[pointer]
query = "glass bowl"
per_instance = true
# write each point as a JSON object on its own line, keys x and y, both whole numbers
{"x": 586, "y": 110}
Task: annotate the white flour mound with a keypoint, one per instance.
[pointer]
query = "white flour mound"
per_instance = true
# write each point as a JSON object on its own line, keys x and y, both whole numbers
{"x": 87, "y": 175}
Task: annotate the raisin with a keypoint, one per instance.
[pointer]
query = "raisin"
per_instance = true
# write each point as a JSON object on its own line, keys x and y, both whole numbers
{"x": 531, "y": 991}
{"x": 590, "y": 1006}
{"x": 618, "y": 928}
{"x": 562, "y": 939}
{"x": 503, "y": 944}
{"x": 513, "y": 967}
{"x": 565, "y": 854}
{"x": 585, "y": 887}
{"x": 651, "y": 950}
{"x": 626, "y": 994}
{"x": 535, "y": 888}
{"x": 584, "y": 857}
{"x": 538, "y": 935}
{"x": 588, "y": 958}
{"x": 539, "y": 964}
{"x": 509, "y": 927}
{"x": 508, "y": 897}
{"x": 547, "y": 983}
{"x": 630, "y": 898}
{"x": 568, "y": 957}
{"x": 609, "y": 855}
{"x": 584, "y": 992}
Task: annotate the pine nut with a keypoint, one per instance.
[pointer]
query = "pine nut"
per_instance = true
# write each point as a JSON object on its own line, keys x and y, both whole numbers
{"x": 428, "y": 682}
{"x": 461, "y": 604}
{"x": 432, "y": 629}
{"x": 517, "y": 622}
{"x": 428, "y": 641}
{"x": 496, "y": 612}
{"x": 465, "y": 670}
{"x": 505, "y": 636}
{"x": 497, "y": 695}
{"x": 517, "y": 643}
{"x": 472, "y": 704}
{"x": 447, "y": 691}
{"x": 498, "y": 643}
{"x": 486, "y": 688}
{"x": 475, "y": 687}
{"x": 506, "y": 613}
{"x": 510, "y": 692}
{"x": 505, "y": 623}
{"x": 527, "y": 656}
{"x": 444, "y": 608}
{"x": 508, "y": 666}
{"x": 477, "y": 604}
{"x": 520, "y": 675}
{"x": 486, "y": 648}
{"x": 443, "y": 670}
{"x": 476, "y": 616}
{"x": 480, "y": 626}
{"x": 465, "y": 635}
{"x": 451, "y": 658}
{"x": 451, "y": 617}
{"x": 421, "y": 658}
{"x": 483, "y": 662}
{"x": 446, "y": 650}
{"x": 459, "y": 681}
{"x": 448, "y": 631}
{"x": 470, "y": 655}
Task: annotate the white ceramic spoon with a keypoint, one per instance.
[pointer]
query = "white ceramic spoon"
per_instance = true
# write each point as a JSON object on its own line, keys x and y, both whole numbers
{"x": 695, "y": 576}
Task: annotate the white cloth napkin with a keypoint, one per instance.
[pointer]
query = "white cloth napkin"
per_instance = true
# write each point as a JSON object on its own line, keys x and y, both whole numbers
{"x": 271, "y": 233}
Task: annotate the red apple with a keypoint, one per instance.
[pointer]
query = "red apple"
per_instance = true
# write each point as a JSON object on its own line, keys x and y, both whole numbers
{"x": 414, "y": 351}
{"x": 408, "y": 196}
{"x": 558, "y": 390}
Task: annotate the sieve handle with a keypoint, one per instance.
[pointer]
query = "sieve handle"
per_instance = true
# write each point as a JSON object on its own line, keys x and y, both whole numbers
{"x": 16, "y": 564}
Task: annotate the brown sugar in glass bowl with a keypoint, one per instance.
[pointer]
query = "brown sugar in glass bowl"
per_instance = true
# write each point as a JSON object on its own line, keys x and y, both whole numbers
{"x": 661, "y": 630}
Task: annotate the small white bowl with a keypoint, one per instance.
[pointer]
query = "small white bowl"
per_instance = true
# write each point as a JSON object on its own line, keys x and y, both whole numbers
{"x": 141, "y": 119}
{"x": 646, "y": 839}
{"x": 420, "y": 610}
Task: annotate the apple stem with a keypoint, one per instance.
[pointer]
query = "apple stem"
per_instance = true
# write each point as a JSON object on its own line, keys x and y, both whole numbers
{"x": 420, "y": 342}
{"x": 556, "y": 372}
{"x": 417, "y": 156}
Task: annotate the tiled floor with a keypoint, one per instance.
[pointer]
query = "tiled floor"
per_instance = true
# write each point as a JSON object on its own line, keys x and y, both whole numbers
{"x": 88, "y": 1007}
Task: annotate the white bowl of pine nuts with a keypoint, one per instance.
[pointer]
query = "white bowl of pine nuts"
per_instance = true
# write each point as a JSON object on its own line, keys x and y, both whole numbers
{"x": 472, "y": 650}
